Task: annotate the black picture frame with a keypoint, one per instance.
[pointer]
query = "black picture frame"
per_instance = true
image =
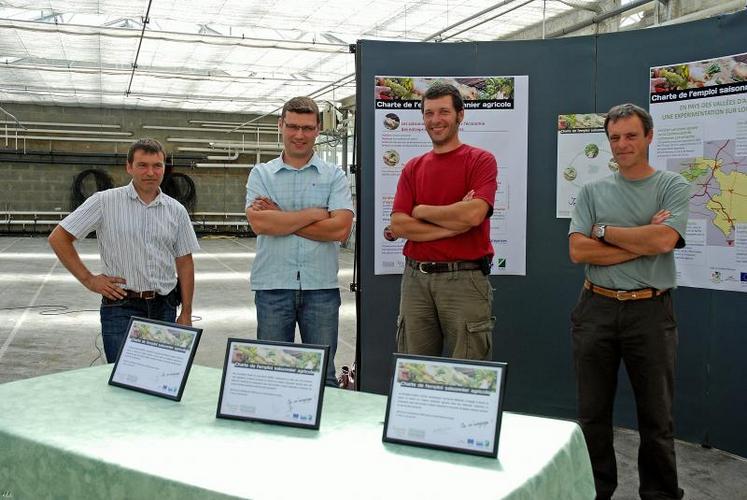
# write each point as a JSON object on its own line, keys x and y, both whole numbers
{"x": 500, "y": 367}
{"x": 168, "y": 393}
{"x": 322, "y": 349}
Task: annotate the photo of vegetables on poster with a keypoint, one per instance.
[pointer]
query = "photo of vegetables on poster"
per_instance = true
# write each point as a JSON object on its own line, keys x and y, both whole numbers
{"x": 448, "y": 404}
{"x": 495, "y": 119}
{"x": 700, "y": 131}
{"x": 275, "y": 382}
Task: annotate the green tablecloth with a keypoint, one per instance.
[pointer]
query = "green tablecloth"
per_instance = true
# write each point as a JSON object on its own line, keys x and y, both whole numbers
{"x": 70, "y": 435}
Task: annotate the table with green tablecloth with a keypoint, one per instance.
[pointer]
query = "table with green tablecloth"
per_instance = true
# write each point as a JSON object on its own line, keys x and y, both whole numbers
{"x": 70, "y": 435}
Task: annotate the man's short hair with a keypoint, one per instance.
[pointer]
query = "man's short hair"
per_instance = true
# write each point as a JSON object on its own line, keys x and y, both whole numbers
{"x": 624, "y": 111}
{"x": 147, "y": 145}
{"x": 440, "y": 89}
{"x": 302, "y": 105}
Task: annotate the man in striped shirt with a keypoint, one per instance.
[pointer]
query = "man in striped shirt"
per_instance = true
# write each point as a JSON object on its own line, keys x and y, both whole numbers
{"x": 300, "y": 207}
{"x": 146, "y": 241}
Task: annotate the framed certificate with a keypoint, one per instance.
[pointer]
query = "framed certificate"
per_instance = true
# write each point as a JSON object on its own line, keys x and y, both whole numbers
{"x": 448, "y": 404}
{"x": 156, "y": 357}
{"x": 275, "y": 382}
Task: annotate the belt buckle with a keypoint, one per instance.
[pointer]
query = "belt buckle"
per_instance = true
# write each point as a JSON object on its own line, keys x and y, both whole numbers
{"x": 420, "y": 267}
{"x": 620, "y": 295}
{"x": 149, "y": 295}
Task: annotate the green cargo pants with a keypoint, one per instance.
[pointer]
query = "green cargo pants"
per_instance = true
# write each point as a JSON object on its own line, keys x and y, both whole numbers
{"x": 446, "y": 314}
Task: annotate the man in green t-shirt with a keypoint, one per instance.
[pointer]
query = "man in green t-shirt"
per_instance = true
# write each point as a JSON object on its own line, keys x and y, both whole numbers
{"x": 625, "y": 228}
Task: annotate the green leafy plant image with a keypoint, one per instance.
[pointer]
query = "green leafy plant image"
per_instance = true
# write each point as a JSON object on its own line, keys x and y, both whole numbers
{"x": 402, "y": 88}
{"x": 570, "y": 174}
{"x": 162, "y": 335}
{"x": 305, "y": 360}
{"x": 141, "y": 331}
{"x": 244, "y": 354}
{"x": 422, "y": 373}
{"x": 498, "y": 88}
{"x": 699, "y": 74}
{"x": 676, "y": 76}
{"x": 591, "y": 150}
{"x": 470, "y": 88}
{"x": 183, "y": 339}
{"x": 566, "y": 122}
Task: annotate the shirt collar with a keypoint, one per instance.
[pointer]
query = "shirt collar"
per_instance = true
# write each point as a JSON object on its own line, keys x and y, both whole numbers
{"x": 315, "y": 162}
{"x": 132, "y": 193}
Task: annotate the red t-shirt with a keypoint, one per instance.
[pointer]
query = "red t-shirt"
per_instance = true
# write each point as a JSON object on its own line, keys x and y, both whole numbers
{"x": 443, "y": 179}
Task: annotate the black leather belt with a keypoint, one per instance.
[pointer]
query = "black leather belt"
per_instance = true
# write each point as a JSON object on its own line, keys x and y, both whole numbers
{"x": 146, "y": 295}
{"x": 130, "y": 294}
{"x": 444, "y": 267}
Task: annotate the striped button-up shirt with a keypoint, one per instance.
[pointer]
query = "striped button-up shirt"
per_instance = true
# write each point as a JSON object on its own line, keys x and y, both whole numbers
{"x": 138, "y": 242}
{"x": 292, "y": 262}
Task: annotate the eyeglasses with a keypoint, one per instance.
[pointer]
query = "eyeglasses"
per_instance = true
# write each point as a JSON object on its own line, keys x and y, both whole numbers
{"x": 306, "y": 129}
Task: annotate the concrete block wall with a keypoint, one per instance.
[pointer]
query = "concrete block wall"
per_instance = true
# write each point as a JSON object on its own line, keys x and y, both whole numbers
{"x": 31, "y": 184}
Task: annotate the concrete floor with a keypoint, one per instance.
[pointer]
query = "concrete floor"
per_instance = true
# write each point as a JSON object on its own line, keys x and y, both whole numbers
{"x": 50, "y": 323}
{"x": 60, "y": 331}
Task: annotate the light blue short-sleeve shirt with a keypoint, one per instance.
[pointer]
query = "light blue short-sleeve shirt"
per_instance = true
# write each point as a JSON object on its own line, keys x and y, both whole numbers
{"x": 292, "y": 262}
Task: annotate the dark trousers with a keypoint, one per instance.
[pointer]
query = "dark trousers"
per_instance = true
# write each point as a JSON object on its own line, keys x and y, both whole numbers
{"x": 643, "y": 333}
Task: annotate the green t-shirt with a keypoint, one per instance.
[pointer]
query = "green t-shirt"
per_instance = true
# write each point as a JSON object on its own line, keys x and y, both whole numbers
{"x": 619, "y": 202}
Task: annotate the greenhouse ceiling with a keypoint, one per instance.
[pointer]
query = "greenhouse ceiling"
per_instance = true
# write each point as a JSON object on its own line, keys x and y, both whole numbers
{"x": 223, "y": 55}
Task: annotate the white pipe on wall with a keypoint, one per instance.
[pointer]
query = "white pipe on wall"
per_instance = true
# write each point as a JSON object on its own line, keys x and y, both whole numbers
{"x": 60, "y": 124}
{"x": 60, "y": 131}
{"x": 234, "y": 156}
{"x": 68, "y": 139}
{"x": 224, "y": 165}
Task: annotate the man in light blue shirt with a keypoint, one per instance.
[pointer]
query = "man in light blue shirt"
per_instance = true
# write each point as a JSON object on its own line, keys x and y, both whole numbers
{"x": 300, "y": 208}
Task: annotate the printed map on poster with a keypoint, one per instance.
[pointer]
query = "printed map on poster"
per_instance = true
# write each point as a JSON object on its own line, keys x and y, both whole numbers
{"x": 700, "y": 116}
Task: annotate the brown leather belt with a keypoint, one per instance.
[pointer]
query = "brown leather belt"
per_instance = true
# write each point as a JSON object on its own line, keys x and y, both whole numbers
{"x": 622, "y": 295}
{"x": 146, "y": 295}
{"x": 444, "y": 267}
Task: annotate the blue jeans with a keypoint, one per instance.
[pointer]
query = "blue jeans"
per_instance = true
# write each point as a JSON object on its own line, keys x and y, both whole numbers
{"x": 316, "y": 311}
{"x": 116, "y": 314}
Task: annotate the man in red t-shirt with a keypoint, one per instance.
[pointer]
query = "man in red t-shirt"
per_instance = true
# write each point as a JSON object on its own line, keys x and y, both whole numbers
{"x": 443, "y": 203}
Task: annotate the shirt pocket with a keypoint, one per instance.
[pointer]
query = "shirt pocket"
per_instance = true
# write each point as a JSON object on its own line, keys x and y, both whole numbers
{"x": 317, "y": 194}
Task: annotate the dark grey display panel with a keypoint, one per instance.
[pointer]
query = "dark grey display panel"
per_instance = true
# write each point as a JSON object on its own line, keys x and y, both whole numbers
{"x": 571, "y": 75}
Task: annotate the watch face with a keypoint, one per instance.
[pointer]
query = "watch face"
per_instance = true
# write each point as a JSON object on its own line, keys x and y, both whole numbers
{"x": 599, "y": 231}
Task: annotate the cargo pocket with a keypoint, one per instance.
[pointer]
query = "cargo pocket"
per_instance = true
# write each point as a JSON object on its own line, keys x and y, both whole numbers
{"x": 479, "y": 339}
{"x": 401, "y": 334}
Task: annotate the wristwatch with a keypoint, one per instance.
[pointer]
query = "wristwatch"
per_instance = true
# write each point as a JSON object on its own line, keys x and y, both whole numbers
{"x": 599, "y": 230}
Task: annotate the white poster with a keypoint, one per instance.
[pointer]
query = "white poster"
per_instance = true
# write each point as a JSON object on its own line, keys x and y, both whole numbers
{"x": 274, "y": 382}
{"x": 700, "y": 131}
{"x": 450, "y": 404}
{"x": 156, "y": 357}
{"x": 583, "y": 156}
{"x": 495, "y": 119}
